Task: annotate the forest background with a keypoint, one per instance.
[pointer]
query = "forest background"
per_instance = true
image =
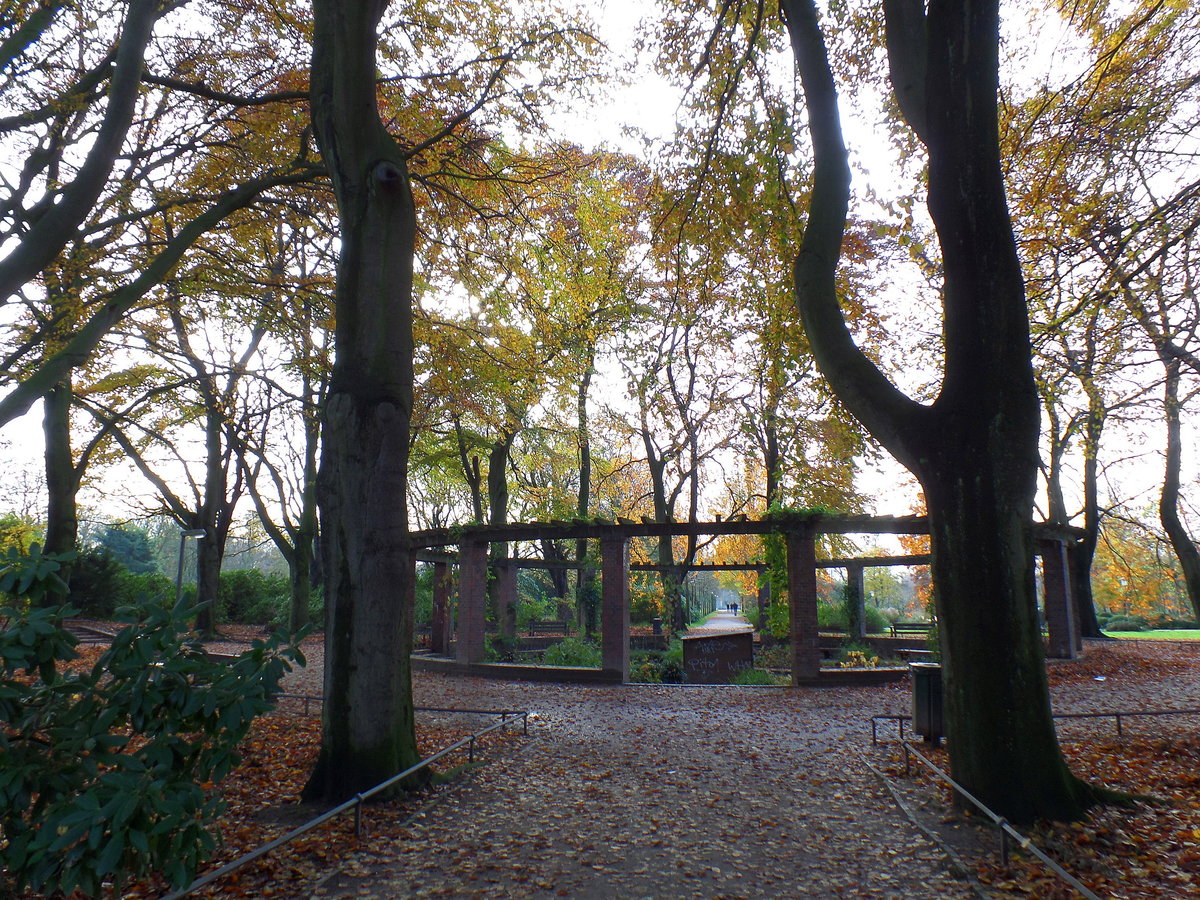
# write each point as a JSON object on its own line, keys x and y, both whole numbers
{"x": 604, "y": 321}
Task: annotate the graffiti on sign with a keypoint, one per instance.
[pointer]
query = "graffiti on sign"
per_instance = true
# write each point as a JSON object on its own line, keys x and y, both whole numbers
{"x": 716, "y": 659}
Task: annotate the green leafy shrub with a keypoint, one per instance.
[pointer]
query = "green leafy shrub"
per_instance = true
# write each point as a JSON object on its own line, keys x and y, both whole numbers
{"x": 31, "y": 577}
{"x": 834, "y": 617}
{"x": 107, "y": 772}
{"x": 534, "y": 611}
{"x": 646, "y": 667}
{"x": 96, "y": 580}
{"x": 1126, "y": 623}
{"x": 250, "y": 597}
{"x": 777, "y": 656}
{"x": 573, "y": 651}
{"x": 754, "y": 677}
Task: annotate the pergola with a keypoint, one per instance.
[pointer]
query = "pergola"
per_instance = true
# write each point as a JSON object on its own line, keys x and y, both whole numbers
{"x": 800, "y": 532}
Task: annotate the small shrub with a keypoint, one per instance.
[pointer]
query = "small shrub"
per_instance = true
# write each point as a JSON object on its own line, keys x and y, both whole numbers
{"x": 857, "y": 656}
{"x": 573, "y": 651}
{"x": 778, "y": 656}
{"x": 831, "y": 617}
{"x": 96, "y": 581}
{"x": 106, "y": 769}
{"x": 754, "y": 677}
{"x": 250, "y": 597}
{"x": 647, "y": 671}
{"x": 1126, "y": 623}
{"x": 672, "y": 671}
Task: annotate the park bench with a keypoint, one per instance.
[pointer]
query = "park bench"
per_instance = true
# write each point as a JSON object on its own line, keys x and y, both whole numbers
{"x": 900, "y": 628}
{"x": 539, "y": 627}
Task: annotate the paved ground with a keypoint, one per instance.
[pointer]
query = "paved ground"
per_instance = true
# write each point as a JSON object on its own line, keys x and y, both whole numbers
{"x": 647, "y": 791}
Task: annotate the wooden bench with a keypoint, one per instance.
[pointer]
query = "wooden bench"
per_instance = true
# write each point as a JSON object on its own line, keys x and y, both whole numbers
{"x": 899, "y": 628}
{"x": 536, "y": 628}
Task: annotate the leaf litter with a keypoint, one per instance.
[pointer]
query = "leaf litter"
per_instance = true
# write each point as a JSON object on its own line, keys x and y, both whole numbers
{"x": 665, "y": 791}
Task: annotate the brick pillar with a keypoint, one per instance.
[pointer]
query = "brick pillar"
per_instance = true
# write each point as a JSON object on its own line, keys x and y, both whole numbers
{"x": 856, "y": 599}
{"x": 614, "y": 606}
{"x": 1061, "y": 616}
{"x": 506, "y": 599}
{"x": 439, "y": 639}
{"x": 472, "y": 601}
{"x": 802, "y": 597}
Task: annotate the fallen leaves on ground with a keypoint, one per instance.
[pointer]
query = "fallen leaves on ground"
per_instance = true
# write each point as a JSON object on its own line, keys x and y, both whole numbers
{"x": 1150, "y": 849}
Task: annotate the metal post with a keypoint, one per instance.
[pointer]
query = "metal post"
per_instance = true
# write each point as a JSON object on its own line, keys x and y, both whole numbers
{"x": 183, "y": 536}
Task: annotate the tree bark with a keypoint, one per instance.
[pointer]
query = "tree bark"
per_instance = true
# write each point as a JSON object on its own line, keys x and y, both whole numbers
{"x": 62, "y": 479}
{"x": 1081, "y": 553}
{"x": 974, "y": 450}
{"x": 367, "y": 726}
{"x": 1168, "y": 503}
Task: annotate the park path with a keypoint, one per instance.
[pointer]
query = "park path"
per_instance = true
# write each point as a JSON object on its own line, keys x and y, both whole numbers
{"x": 722, "y": 622}
{"x": 662, "y": 792}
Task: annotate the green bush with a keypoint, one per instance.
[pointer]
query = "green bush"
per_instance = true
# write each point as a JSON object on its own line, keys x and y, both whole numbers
{"x": 573, "y": 651}
{"x": 1126, "y": 623}
{"x": 643, "y": 607}
{"x": 96, "y": 581}
{"x": 250, "y": 597}
{"x": 534, "y": 611}
{"x": 647, "y": 670}
{"x": 833, "y": 617}
{"x": 778, "y": 656}
{"x": 104, "y": 769}
{"x": 137, "y": 590}
{"x": 754, "y": 677}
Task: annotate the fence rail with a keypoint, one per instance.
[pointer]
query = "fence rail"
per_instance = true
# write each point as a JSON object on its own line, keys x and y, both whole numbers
{"x": 355, "y": 802}
{"x": 1117, "y": 715}
{"x": 1006, "y": 830}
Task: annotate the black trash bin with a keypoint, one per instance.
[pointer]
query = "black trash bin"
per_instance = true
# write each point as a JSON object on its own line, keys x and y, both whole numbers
{"x": 927, "y": 701}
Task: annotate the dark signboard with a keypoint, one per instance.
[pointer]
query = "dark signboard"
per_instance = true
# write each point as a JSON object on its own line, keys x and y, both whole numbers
{"x": 715, "y": 659}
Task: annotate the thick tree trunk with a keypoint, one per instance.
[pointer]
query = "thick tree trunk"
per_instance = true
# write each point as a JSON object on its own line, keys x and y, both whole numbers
{"x": 367, "y": 726}
{"x": 62, "y": 480}
{"x": 982, "y": 564}
{"x": 1168, "y": 504}
{"x": 974, "y": 449}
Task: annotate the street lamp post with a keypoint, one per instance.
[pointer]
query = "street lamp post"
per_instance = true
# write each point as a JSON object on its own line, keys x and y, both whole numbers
{"x": 183, "y": 536}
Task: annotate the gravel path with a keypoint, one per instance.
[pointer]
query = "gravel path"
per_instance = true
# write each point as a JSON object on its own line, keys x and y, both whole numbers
{"x": 666, "y": 791}
{"x": 648, "y": 791}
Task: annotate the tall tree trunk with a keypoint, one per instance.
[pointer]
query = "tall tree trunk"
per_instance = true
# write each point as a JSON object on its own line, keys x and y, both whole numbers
{"x": 587, "y": 594}
{"x": 62, "y": 479}
{"x": 974, "y": 449}
{"x": 1083, "y": 551}
{"x": 497, "y": 488}
{"x": 367, "y": 732}
{"x": 1168, "y": 503}
{"x": 300, "y": 566}
{"x": 211, "y": 547}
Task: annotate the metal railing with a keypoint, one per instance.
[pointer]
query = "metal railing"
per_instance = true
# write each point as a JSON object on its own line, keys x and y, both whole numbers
{"x": 1006, "y": 830}
{"x": 1117, "y": 715}
{"x": 355, "y": 802}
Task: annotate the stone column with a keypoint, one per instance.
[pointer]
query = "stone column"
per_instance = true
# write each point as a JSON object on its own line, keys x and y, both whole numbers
{"x": 439, "y": 639}
{"x": 472, "y": 601}
{"x": 1061, "y": 616}
{"x": 802, "y": 600}
{"x": 856, "y": 602}
{"x": 506, "y": 599}
{"x": 614, "y": 606}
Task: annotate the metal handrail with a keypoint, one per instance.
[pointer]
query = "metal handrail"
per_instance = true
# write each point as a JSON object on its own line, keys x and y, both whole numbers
{"x": 354, "y": 802}
{"x": 320, "y": 698}
{"x": 900, "y": 719}
{"x": 1006, "y": 830}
